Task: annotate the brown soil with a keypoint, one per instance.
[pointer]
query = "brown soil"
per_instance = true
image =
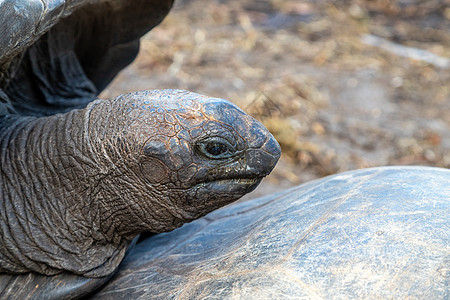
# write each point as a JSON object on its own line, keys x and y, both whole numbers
{"x": 303, "y": 68}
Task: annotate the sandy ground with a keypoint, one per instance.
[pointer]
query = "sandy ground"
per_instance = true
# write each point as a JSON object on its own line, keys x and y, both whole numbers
{"x": 341, "y": 84}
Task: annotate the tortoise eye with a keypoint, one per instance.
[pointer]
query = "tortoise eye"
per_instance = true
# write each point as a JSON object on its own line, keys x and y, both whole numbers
{"x": 215, "y": 148}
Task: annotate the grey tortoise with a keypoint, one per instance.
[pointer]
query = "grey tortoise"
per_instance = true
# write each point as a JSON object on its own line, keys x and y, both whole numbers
{"x": 82, "y": 178}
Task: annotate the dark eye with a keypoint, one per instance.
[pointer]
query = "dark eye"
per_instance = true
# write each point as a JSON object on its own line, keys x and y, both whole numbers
{"x": 216, "y": 148}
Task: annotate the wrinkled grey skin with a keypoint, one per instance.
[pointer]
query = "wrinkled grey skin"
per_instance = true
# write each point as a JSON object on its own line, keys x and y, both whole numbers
{"x": 78, "y": 187}
{"x": 79, "y": 181}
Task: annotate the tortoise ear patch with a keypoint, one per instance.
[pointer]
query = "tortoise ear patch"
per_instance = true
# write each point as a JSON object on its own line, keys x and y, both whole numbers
{"x": 154, "y": 170}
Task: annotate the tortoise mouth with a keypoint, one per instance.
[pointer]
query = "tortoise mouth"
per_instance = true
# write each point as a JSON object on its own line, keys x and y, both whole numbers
{"x": 230, "y": 185}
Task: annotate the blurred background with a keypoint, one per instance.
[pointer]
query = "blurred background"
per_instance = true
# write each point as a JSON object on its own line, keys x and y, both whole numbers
{"x": 341, "y": 84}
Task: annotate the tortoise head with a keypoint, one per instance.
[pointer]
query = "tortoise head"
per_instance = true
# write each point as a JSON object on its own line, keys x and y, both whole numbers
{"x": 174, "y": 156}
{"x": 94, "y": 178}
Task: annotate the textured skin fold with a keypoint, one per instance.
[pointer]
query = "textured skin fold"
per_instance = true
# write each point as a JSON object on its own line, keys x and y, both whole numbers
{"x": 24, "y": 22}
{"x": 58, "y": 55}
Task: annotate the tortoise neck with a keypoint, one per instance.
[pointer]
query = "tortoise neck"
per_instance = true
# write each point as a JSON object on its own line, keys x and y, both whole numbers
{"x": 48, "y": 174}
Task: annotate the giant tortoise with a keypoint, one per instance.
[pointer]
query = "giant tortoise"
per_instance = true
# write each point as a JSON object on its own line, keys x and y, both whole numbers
{"x": 81, "y": 179}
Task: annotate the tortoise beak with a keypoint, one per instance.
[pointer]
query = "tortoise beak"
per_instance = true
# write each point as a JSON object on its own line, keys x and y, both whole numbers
{"x": 263, "y": 149}
{"x": 262, "y": 157}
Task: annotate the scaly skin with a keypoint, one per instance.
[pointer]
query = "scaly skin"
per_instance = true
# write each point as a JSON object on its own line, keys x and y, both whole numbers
{"x": 76, "y": 188}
